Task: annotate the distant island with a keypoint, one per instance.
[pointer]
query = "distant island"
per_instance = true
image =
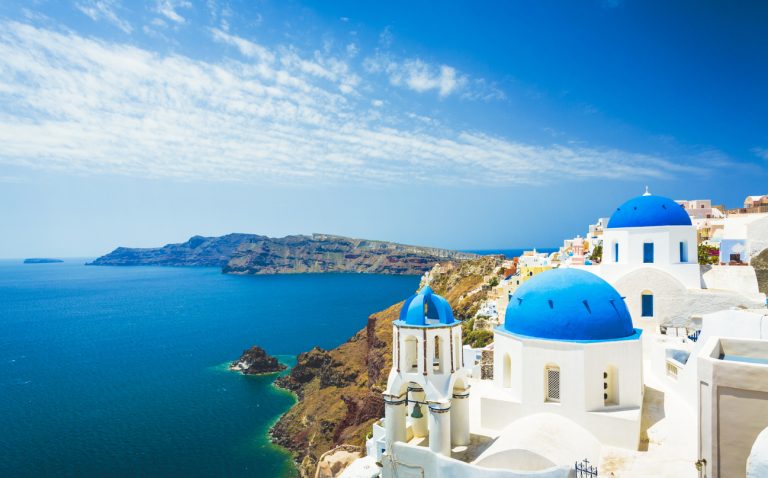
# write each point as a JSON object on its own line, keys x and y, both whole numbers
{"x": 255, "y": 254}
{"x": 41, "y": 260}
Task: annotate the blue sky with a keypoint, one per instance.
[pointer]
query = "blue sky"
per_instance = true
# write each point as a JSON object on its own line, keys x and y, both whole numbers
{"x": 468, "y": 125}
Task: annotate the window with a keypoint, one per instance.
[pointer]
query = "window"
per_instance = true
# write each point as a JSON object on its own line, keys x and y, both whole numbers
{"x": 647, "y": 305}
{"x": 616, "y": 252}
{"x": 683, "y": 251}
{"x": 610, "y": 386}
{"x": 552, "y": 383}
{"x": 672, "y": 370}
{"x": 648, "y": 252}
{"x": 507, "y": 373}
{"x": 411, "y": 354}
{"x": 437, "y": 363}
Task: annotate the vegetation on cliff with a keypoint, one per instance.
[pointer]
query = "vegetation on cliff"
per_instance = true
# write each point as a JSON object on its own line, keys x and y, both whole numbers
{"x": 339, "y": 390}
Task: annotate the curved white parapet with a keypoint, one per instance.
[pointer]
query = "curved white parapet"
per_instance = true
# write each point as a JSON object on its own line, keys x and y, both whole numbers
{"x": 757, "y": 463}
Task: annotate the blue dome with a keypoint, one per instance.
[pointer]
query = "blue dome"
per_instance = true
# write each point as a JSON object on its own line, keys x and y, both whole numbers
{"x": 645, "y": 211}
{"x": 568, "y": 304}
{"x": 426, "y": 308}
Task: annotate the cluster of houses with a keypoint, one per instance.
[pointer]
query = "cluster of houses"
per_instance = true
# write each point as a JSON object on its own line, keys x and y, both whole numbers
{"x": 618, "y": 355}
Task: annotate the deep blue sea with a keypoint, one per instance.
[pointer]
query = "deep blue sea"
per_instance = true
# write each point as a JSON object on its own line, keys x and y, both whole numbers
{"x": 121, "y": 371}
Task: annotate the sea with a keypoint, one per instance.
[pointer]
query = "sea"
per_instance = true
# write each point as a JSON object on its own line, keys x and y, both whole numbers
{"x": 122, "y": 371}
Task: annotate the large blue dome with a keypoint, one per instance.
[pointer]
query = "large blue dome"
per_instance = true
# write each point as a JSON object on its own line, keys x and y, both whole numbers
{"x": 568, "y": 304}
{"x": 648, "y": 210}
{"x": 426, "y": 309}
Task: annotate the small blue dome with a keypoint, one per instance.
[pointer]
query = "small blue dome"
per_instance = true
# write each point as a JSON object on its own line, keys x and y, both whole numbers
{"x": 568, "y": 304}
{"x": 426, "y": 308}
{"x": 645, "y": 211}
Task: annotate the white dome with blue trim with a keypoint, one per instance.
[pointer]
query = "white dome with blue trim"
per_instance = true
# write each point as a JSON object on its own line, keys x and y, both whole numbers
{"x": 648, "y": 211}
{"x": 569, "y": 305}
{"x": 426, "y": 309}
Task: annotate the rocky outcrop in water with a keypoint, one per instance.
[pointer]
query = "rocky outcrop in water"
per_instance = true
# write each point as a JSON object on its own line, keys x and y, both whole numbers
{"x": 41, "y": 260}
{"x": 339, "y": 390}
{"x": 253, "y": 254}
{"x": 255, "y": 361}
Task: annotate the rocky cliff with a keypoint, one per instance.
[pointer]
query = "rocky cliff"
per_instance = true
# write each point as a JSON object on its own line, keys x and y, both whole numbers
{"x": 326, "y": 253}
{"x": 197, "y": 251}
{"x": 760, "y": 263}
{"x": 339, "y": 390}
{"x": 253, "y": 254}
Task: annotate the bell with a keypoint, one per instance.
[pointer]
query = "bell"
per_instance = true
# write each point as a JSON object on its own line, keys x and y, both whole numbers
{"x": 416, "y": 411}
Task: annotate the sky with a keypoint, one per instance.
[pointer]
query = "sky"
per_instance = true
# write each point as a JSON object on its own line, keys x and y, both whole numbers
{"x": 468, "y": 125}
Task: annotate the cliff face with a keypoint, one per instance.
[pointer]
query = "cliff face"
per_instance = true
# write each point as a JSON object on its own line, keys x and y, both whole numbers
{"x": 325, "y": 253}
{"x": 340, "y": 390}
{"x": 253, "y": 254}
{"x": 760, "y": 263}
{"x": 197, "y": 251}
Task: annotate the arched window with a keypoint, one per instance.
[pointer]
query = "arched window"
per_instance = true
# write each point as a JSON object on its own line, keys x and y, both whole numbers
{"x": 615, "y": 252}
{"x": 610, "y": 386}
{"x": 646, "y": 304}
{"x": 411, "y": 354}
{"x": 683, "y": 251}
{"x": 507, "y": 371}
{"x": 648, "y": 253}
{"x": 552, "y": 383}
{"x": 437, "y": 362}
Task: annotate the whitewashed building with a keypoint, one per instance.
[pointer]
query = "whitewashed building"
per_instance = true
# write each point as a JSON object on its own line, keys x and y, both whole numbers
{"x": 650, "y": 256}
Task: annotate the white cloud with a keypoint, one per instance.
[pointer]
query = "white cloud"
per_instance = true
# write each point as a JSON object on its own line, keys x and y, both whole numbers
{"x": 417, "y": 75}
{"x": 247, "y": 48}
{"x": 104, "y": 10}
{"x": 79, "y": 105}
{"x": 169, "y": 9}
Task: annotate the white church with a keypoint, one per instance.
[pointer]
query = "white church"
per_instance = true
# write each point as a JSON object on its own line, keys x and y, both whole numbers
{"x": 583, "y": 379}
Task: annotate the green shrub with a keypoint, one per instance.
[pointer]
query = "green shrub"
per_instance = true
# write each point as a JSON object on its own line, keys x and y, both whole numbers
{"x": 597, "y": 254}
{"x": 708, "y": 254}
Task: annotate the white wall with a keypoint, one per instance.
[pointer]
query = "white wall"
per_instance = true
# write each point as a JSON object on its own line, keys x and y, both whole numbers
{"x": 741, "y": 279}
{"x": 581, "y": 385}
{"x": 666, "y": 241}
{"x": 667, "y": 293}
{"x": 408, "y": 461}
{"x": 733, "y": 404}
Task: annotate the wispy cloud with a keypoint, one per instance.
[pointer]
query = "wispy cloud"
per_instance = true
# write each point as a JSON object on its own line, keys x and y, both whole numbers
{"x": 761, "y": 153}
{"x": 246, "y": 47}
{"x": 170, "y": 9}
{"x": 76, "y": 104}
{"x": 104, "y": 10}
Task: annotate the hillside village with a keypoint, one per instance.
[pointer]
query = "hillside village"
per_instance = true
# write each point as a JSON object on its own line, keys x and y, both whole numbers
{"x": 637, "y": 349}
